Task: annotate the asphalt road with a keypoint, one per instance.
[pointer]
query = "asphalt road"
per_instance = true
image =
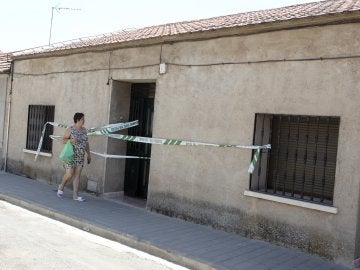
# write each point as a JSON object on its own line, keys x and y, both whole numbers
{"x": 33, "y": 242}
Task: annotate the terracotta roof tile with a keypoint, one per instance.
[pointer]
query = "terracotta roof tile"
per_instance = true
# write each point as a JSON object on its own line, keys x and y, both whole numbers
{"x": 4, "y": 62}
{"x": 230, "y": 21}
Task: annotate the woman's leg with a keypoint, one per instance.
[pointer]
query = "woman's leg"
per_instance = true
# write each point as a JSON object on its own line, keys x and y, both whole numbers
{"x": 67, "y": 176}
{"x": 76, "y": 181}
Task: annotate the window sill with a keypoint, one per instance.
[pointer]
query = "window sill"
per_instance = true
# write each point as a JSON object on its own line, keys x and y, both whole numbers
{"x": 323, "y": 208}
{"x": 34, "y": 152}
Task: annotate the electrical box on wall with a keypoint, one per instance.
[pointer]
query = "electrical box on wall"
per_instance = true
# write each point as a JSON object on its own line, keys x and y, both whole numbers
{"x": 92, "y": 185}
{"x": 162, "y": 69}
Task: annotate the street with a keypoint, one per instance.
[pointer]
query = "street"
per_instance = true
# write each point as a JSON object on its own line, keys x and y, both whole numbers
{"x": 30, "y": 241}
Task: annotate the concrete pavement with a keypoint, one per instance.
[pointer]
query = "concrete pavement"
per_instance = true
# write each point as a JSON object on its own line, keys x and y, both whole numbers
{"x": 43, "y": 243}
{"x": 191, "y": 245}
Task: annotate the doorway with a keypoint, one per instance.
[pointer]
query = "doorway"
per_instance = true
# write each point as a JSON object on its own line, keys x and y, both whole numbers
{"x": 137, "y": 170}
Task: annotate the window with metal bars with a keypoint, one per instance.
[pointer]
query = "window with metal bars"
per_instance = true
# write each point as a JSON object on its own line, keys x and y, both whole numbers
{"x": 38, "y": 115}
{"x": 301, "y": 163}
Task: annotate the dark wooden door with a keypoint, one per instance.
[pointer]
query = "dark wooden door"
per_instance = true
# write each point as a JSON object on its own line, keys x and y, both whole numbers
{"x": 137, "y": 170}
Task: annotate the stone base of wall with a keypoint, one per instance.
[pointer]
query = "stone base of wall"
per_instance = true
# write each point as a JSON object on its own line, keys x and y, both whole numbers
{"x": 235, "y": 220}
{"x": 47, "y": 175}
{"x": 14, "y": 166}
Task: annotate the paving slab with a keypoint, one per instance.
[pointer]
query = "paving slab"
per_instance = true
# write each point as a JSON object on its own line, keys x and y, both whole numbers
{"x": 191, "y": 245}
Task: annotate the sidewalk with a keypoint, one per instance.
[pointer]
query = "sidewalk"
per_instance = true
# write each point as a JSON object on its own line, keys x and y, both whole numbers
{"x": 191, "y": 245}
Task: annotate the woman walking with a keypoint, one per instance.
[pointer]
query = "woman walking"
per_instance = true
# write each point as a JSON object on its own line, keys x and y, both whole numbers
{"x": 77, "y": 134}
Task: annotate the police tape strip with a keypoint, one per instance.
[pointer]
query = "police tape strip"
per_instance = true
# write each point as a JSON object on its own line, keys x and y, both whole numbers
{"x": 91, "y": 131}
{"x": 56, "y": 138}
{"x": 107, "y": 130}
{"x": 60, "y": 138}
{"x": 176, "y": 142}
{"x": 180, "y": 142}
{"x": 117, "y": 156}
{"x": 254, "y": 161}
{"x": 112, "y": 128}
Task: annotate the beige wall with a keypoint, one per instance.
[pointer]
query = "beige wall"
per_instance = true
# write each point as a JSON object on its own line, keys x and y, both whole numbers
{"x": 218, "y": 104}
{"x": 213, "y": 103}
{"x": 70, "y": 92}
{"x": 4, "y": 86}
{"x": 119, "y": 112}
{"x": 78, "y": 83}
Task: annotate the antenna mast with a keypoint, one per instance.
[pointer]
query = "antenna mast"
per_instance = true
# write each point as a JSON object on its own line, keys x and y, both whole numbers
{"x": 52, "y": 16}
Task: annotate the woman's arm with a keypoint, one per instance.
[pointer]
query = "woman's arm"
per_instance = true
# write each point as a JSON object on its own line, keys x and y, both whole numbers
{"x": 87, "y": 149}
{"x": 67, "y": 136}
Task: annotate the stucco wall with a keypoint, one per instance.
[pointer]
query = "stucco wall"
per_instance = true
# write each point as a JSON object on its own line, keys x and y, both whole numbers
{"x": 74, "y": 83}
{"x": 4, "y": 82}
{"x": 57, "y": 81}
{"x": 217, "y": 103}
{"x": 119, "y": 112}
{"x": 214, "y": 103}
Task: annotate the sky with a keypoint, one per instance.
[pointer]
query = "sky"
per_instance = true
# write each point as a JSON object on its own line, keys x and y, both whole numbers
{"x": 26, "y": 23}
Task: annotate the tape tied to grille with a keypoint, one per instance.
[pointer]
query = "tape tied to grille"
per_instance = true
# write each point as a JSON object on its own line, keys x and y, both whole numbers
{"x": 91, "y": 131}
{"x": 109, "y": 129}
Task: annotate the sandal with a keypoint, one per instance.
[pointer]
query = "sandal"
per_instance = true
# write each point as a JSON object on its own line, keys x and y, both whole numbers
{"x": 60, "y": 193}
{"x": 80, "y": 199}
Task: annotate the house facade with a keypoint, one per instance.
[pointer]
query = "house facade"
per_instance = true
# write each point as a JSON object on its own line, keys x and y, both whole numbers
{"x": 286, "y": 77}
{"x": 5, "y": 78}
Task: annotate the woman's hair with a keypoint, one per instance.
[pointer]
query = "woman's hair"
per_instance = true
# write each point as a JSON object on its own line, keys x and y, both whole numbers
{"x": 78, "y": 116}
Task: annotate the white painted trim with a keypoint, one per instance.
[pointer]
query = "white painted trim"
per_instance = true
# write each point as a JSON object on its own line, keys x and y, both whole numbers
{"x": 34, "y": 152}
{"x": 294, "y": 202}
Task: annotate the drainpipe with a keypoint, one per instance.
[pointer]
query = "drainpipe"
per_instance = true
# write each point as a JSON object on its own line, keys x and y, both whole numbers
{"x": 8, "y": 115}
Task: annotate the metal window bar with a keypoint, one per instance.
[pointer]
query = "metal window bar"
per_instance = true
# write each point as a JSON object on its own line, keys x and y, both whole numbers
{"x": 260, "y": 156}
{"x": 277, "y": 156}
{"x": 269, "y": 153}
{"x": 286, "y": 157}
{"x": 305, "y": 156}
{"x": 49, "y": 117}
{"x": 38, "y": 115}
{"x": 310, "y": 178}
{"x": 315, "y": 157}
{"x": 253, "y": 151}
{"x": 325, "y": 161}
{"x": 296, "y": 156}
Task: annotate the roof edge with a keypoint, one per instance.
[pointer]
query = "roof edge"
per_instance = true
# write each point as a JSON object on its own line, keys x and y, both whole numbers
{"x": 251, "y": 29}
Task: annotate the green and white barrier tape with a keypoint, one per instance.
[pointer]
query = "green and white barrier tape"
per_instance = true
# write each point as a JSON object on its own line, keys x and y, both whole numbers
{"x": 43, "y": 134}
{"x": 112, "y": 128}
{"x": 91, "y": 131}
{"x": 254, "y": 161}
{"x": 180, "y": 142}
{"x": 60, "y": 138}
{"x": 108, "y": 129}
{"x": 56, "y": 138}
{"x": 117, "y": 156}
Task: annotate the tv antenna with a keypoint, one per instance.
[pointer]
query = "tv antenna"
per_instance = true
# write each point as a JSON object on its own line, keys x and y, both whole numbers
{"x": 52, "y": 16}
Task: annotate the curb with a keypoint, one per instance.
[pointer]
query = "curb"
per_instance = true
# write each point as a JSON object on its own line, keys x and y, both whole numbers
{"x": 107, "y": 233}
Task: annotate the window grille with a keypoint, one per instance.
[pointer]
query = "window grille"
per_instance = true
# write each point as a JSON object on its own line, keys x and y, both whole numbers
{"x": 301, "y": 163}
{"x": 38, "y": 115}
